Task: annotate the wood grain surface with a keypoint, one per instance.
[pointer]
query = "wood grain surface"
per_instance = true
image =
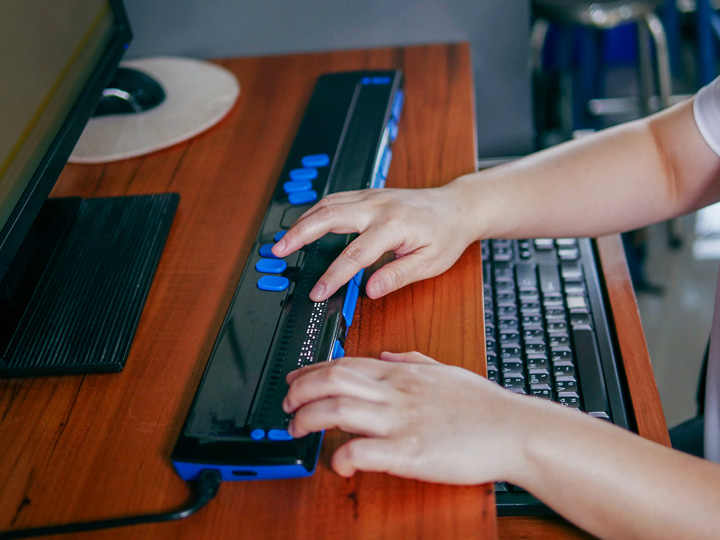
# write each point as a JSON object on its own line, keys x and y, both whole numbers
{"x": 98, "y": 446}
{"x": 90, "y": 447}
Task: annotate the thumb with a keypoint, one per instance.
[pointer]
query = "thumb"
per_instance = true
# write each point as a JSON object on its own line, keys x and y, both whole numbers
{"x": 396, "y": 274}
{"x": 407, "y": 358}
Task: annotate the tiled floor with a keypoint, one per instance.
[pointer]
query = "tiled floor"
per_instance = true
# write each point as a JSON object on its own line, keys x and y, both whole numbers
{"x": 677, "y": 323}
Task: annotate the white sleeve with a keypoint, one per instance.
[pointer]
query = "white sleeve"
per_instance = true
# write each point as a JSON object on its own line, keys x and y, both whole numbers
{"x": 707, "y": 114}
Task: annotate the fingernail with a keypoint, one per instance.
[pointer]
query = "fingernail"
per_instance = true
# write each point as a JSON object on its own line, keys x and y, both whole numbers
{"x": 374, "y": 290}
{"x": 317, "y": 292}
{"x": 279, "y": 246}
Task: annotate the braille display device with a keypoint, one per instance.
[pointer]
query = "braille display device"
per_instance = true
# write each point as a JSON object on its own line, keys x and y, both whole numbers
{"x": 236, "y": 423}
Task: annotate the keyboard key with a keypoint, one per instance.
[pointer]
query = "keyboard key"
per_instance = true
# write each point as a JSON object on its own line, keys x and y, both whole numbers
{"x": 544, "y": 244}
{"x": 572, "y": 402}
{"x": 549, "y": 280}
{"x": 563, "y": 371}
{"x": 581, "y": 320}
{"x": 570, "y": 254}
{"x": 526, "y": 277}
{"x": 590, "y": 372}
{"x": 577, "y": 302}
{"x": 537, "y": 362}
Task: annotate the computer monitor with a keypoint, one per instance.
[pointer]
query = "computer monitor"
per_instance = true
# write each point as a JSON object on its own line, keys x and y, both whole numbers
{"x": 57, "y": 58}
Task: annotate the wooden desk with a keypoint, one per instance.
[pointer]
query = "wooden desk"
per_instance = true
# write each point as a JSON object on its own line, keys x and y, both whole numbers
{"x": 85, "y": 448}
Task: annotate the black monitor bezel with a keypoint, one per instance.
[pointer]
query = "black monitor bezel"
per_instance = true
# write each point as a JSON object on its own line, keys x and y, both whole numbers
{"x": 41, "y": 184}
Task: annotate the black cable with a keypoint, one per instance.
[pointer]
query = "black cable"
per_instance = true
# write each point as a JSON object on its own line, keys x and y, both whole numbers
{"x": 205, "y": 489}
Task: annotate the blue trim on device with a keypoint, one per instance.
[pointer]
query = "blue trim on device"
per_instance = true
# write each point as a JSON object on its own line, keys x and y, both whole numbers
{"x": 337, "y": 351}
{"x": 398, "y": 104}
{"x": 190, "y": 471}
{"x": 351, "y": 297}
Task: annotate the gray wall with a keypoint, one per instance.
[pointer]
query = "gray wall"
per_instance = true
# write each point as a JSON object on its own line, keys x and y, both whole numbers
{"x": 496, "y": 29}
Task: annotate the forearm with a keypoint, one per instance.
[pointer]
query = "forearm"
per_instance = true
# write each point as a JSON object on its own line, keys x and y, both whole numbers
{"x": 614, "y": 484}
{"x": 619, "y": 179}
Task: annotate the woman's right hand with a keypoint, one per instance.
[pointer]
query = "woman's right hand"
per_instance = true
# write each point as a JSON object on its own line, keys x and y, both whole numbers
{"x": 427, "y": 229}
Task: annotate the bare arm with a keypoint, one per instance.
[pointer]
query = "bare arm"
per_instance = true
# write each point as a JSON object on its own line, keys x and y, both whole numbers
{"x": 619, "y": 179}
{"x": 424, "y": 420}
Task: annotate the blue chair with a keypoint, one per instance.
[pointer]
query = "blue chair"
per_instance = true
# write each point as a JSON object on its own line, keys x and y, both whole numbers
{"x": 654, "y": 77}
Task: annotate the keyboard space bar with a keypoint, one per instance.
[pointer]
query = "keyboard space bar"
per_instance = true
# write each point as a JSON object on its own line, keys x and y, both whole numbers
{"x": 591, "y": 381}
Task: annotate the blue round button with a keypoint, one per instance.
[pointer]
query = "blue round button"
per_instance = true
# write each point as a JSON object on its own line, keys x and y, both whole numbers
{"x": 316, "y": 160}
{"x": 306, "y": 173}
{"x": 303, "y": 197}
{"x": 271, "y": 266}
{"x": 273, "y": 283}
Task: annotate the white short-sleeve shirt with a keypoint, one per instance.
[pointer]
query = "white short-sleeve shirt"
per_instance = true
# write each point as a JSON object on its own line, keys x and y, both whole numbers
{"x": 707, "y": 114}
{"x": 706, "y": 110}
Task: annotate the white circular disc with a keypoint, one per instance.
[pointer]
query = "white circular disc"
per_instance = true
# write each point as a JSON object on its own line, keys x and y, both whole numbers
{"x": 198, "y": 94}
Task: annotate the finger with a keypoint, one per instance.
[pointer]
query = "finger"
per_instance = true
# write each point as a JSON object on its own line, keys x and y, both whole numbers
{"x": 399, "y": 273}
{"x": 365, "y": 454}
{"x": 372, "y": 367}
{"x": 360, "y": 253}
{"x": 343, "y": 197}
{"x": 413, "y": 357}
{"x": 336, "y": 380}
{"x": 327, "y": 217}
{"x": 349, "y": 414}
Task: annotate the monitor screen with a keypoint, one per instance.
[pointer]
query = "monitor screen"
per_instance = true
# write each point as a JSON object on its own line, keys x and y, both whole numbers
{"x": 74, "y": 272}
{"x": 57, "y": 57}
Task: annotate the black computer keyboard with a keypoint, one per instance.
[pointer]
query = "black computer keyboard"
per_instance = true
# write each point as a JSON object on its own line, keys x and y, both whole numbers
{"x": 236, "y": 424}
{"x": 547, "y": 332}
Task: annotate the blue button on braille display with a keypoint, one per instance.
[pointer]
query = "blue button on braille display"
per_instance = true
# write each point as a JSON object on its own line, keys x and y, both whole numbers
{"x": 381, "y": 80}
{"x": 398, "y": 104}
{"x": 279, "y": 235}
{"x": 297, "y": 185}
{"x": 306, "y": 173}
{"x": 392, "y": 130}
{"x": 279, "y": 435}
{"x": 316, "y": 160}
{"x": 257, "y": 434}
{"x": 271, "y": 266}
{"x": 303, "y": 197}
{"x": 266, "y": 251}
{"x": 385, "y": 163}
{"x": 273, "y": 283}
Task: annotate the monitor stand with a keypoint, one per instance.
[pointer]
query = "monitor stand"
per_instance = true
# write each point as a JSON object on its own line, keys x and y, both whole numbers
{"x": 72, "y": 299}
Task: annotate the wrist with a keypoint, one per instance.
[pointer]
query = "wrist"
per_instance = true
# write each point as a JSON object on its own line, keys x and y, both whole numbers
{"x": 478, "y": 212}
